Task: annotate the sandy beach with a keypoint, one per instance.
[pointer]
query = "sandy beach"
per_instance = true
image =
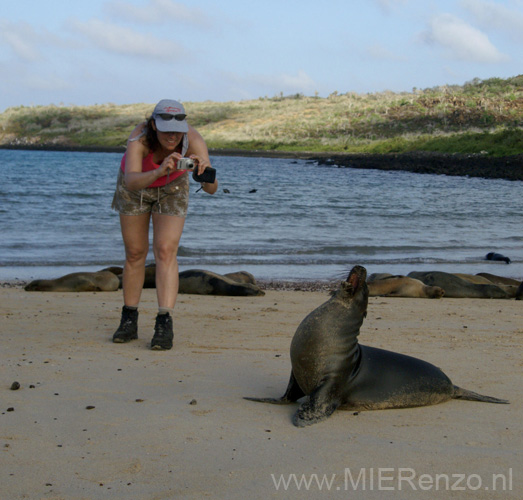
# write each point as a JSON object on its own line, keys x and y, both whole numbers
{"x": 94, "y": 420}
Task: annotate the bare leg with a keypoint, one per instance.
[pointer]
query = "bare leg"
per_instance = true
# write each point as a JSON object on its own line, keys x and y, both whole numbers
{"x": 167, "y": 233}
{"x": 135, "y": 233}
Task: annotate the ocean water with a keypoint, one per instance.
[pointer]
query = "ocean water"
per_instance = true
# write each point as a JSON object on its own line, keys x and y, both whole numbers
{"x": 304, "y": 221}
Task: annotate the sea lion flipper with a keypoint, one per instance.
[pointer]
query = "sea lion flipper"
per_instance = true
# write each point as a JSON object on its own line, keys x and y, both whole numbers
{"x": 320, "y": 405}
{"x": 292, "y": 394}
{"x": 460, "y": 393}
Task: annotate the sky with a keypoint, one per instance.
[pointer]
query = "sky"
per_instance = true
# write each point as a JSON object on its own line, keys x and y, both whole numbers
{"x": 80, "y": 52}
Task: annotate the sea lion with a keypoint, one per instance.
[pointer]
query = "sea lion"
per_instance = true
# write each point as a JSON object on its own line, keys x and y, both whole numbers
{"x": 241, "y": 277}
{"x": 519, "y": 292}
{"x": 497, "y": 256}
{"x": 336, "y": 372}
{"x": 456, "y": 287}
{"x": 378, "y": 276}
{"x": 114, "y": 269}
{"x": 240, "y": 283}
{"x": 510, "y": 289}
{"x": 203, "y": 282}
{"x": 499, "y": 280}
{"x": 401, "y": 286}
{"x": 101, "y": 281}
{"x": 473, "y": 278}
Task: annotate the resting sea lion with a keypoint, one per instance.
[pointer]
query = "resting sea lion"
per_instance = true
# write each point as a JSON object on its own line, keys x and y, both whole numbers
{"x": 101, "y": 281}
{"x": 482, "y": 280}
{"x": 402, "y": 286}
{"x": 497, "y": 256}
{"x": 499, "y": 280}
{"x": 456, "y": 287}
{"x": 202, "y": 282}
{"x": 519, "y": 293}
{"x": 114, "y": 269}
{"x": 241, "y": 277}
{"x": 205, "y": 282}
{"x": 335, "y": 371}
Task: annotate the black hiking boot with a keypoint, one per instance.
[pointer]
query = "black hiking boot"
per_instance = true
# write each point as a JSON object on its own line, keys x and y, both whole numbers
{"x": 128, "y": 329}
{"x": 163, "y": 333}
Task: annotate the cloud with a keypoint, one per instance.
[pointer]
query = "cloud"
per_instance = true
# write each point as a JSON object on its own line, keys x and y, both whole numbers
{"x": 120, "y": 40}
{"x": 25, "y": 41}
{"x": 463, "y": 41}
{"x": 157, "y": 12}
{"x": 496, "y": 16}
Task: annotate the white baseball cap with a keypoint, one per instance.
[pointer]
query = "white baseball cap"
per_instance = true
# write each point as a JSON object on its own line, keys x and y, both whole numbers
{"x": 169, "y": 116}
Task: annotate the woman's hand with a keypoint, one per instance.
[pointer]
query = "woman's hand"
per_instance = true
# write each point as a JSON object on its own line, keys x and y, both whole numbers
{"x": 201, "y": 163}
{"x": 168, "y": 165}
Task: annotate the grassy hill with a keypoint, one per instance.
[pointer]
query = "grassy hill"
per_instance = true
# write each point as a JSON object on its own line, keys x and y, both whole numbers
{"x": 482, "y": 116}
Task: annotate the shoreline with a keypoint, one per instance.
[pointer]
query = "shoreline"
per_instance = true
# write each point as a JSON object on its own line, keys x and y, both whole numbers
{"x": 452, "y": 164}
{"x": 294, "y": 285}
{"x": 267, "y": 285}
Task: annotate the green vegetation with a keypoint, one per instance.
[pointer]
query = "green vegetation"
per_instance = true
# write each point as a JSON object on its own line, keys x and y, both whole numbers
{"x": 480, "y": 116}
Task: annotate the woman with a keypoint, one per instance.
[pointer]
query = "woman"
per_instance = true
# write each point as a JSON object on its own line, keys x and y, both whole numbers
{"x": 150, "y": 187}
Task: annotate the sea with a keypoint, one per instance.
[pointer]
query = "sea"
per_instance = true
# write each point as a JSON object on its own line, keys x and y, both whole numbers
{"x": 279, "y": 219}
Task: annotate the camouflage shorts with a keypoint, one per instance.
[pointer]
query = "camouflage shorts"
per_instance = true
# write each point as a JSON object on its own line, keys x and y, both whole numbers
{"x": 171, "y": 199}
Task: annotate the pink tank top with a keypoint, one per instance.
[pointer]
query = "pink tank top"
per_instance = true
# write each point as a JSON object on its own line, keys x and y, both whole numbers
{"x": 148, "y": 165}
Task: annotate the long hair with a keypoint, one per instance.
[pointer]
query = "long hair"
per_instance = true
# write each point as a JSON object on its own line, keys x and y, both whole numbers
{"x": 150, "y": 135}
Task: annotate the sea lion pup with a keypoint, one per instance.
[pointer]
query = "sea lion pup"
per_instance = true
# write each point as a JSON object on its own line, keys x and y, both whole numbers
{"x": 202, "y": 282}
{"x": 336, "y": 372}
{"x": 456, "y": 287}
{"x": 402, "y": 286}
{"x": 101, "y": 281}
{"x": 497, "y": 256}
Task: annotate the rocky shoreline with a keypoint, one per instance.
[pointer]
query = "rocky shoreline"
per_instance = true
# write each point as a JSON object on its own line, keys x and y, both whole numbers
{"x": 509, "y": 168}
{"x": 471, "y": 165}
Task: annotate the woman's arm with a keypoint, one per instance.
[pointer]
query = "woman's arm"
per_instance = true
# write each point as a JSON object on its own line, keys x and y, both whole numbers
{"x": 198, "y": 151}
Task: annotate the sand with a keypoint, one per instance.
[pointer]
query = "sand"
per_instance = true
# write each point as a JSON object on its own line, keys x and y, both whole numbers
{"x": 94, "y": 420}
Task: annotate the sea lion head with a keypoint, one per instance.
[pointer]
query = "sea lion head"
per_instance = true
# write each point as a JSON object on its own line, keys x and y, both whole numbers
{"x": 353, "y": 292}
{"x": 435, "y": 292}
{"x": 38, "y": 286}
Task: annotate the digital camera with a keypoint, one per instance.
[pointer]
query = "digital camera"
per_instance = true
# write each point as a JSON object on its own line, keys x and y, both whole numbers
{"x": 185, "y": 164}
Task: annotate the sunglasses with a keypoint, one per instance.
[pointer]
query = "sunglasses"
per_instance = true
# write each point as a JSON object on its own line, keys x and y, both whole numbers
{"x": 166, "y": 117}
